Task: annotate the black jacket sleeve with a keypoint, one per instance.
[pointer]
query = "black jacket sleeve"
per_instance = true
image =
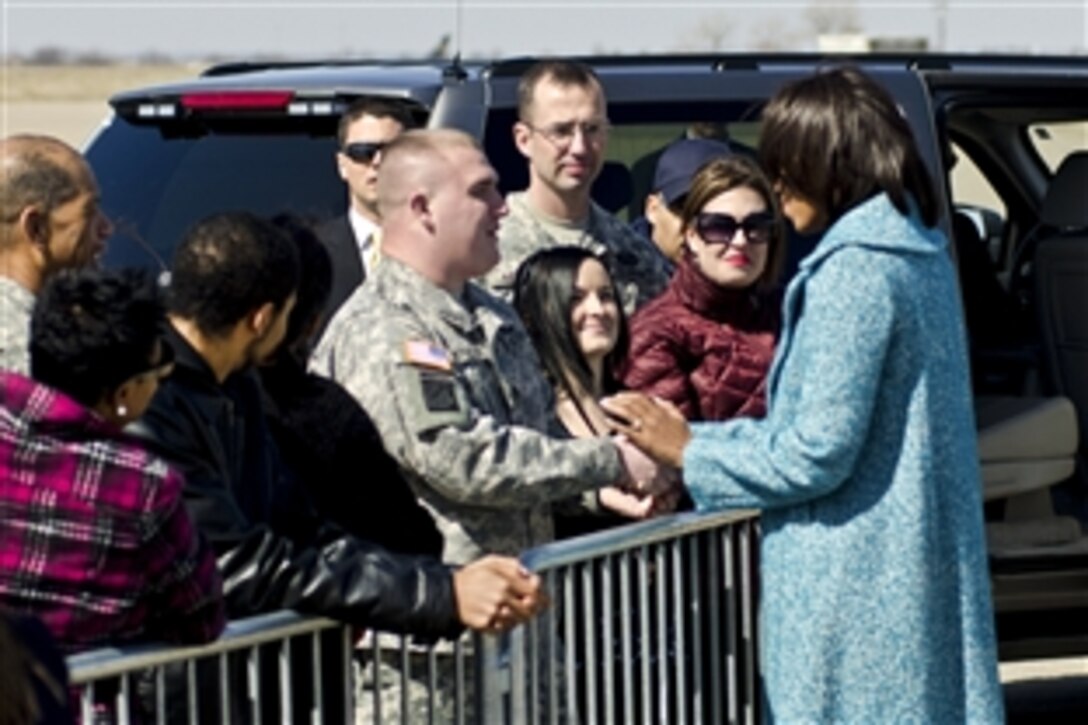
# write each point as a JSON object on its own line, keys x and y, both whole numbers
{"x": 341, "y": 577}
{"x": 330, "y": 573}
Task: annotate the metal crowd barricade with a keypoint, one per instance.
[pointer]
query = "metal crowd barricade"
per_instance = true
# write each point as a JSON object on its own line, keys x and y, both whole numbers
{"x": 650, "y": 622}
{"x": 278, "y": 667}
{"x": 261, "y": 669}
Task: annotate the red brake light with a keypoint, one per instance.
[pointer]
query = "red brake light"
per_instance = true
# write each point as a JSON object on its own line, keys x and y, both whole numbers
{"x": 247, "y": 100}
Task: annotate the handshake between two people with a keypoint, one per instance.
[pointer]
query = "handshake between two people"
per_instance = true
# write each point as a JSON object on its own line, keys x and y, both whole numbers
{"x": 655, "y": 426}
{"x": 650, "y": 435}
{"x": 496, "y": 593}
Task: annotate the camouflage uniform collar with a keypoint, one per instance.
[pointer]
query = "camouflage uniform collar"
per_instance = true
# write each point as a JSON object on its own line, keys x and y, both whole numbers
{"x": 593, "y": 227}
{"x": 520, "y": 200}
{"x": 16, "y": 307}
{"x": 408, "y": 288}
{"x": 17, "y": 297}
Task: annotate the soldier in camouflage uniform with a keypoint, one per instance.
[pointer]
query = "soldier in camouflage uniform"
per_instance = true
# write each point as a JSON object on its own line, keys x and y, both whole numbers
{"x": 562, "y": 132}
{"x": 449, "y": 376}
{"x": 446, "y": 370}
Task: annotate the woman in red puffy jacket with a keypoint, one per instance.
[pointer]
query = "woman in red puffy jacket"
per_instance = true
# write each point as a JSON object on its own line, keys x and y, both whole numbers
{"x": 706, "y": 343}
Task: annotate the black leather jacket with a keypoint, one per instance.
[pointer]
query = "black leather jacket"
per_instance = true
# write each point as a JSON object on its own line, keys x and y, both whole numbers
{"x": 273, "y": 551}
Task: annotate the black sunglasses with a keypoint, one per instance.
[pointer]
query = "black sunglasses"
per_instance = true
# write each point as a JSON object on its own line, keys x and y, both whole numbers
{"x": 722, "y": 228}
{"x": 363, "y": 152}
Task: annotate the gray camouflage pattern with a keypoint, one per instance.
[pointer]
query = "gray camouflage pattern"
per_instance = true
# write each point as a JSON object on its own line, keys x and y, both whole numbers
{"x": 637, "y": 268}
{"x": 473, "y": 440}
{"x": 399, "y": 682}
{"x": 16, "y": 306}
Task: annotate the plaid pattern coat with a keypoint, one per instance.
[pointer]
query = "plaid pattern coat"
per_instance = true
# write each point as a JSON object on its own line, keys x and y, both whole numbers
{"x": 94, "y": 538}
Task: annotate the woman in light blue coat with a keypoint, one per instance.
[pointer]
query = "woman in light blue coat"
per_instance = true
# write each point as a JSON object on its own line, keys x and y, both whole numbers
{"x": 876, "y": 600}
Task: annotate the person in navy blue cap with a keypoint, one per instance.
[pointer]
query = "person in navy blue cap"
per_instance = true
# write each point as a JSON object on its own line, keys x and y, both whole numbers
{"x": 672, "y": 179}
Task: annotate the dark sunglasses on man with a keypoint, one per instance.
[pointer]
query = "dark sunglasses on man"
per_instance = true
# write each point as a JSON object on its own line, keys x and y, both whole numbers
{"x": 363, "y": 152}
{"x": 715, "y": 228}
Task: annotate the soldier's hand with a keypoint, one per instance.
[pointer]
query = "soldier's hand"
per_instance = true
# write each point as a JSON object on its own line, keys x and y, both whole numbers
{"x": 643, "y": 475}
{"x": 496, "y": 593}
{"x": 654, "y": 425}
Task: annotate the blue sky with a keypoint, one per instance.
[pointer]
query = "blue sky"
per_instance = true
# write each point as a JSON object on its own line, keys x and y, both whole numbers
{"x": 237, "y": 28}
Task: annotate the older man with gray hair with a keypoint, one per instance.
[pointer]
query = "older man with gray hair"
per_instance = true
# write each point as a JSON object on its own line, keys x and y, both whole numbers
{"x": 49, "y": 220}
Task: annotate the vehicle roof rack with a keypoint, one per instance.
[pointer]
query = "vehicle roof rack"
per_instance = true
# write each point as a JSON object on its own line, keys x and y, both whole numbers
{"x": 752, "y": 61}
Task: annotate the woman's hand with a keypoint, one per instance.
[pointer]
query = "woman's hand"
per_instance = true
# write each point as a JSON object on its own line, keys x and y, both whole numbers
{"x": 654, "y": 425}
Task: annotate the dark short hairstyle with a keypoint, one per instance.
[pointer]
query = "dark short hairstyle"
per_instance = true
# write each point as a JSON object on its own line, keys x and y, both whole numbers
{"x": 561, "y": 71}
{"x": 543, "y": 298}
{"x": 376, "y": 107}
{"x": 37, "y": 174}
{"x": 837, "y": 138}
{"x": 227, "y": 266}
{"x": 94, "y": 329}
{"x": 722, "y": 174}
{"x": 315, "y": 277}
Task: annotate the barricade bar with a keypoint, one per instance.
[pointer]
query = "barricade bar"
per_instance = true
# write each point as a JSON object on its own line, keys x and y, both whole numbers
{"x": 239, "y": 634}
{"x": 622, "y": 538}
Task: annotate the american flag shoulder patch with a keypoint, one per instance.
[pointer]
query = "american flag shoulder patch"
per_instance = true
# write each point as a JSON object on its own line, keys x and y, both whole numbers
{"x": 427, "y": 355}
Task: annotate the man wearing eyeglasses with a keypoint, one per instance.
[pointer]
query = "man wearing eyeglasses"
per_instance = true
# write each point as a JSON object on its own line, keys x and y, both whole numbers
{"x": 563, "y": 132}
{"x": 353, "y": 238}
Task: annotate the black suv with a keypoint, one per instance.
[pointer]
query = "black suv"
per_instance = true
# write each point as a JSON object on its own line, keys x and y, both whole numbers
{"x": 262, "y": 137}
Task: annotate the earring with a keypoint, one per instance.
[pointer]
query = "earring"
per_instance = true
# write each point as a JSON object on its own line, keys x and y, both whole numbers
{"x": 122, "y": 411}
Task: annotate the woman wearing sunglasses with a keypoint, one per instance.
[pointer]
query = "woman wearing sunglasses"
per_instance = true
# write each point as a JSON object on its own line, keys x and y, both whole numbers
{"x": 875, "y": 592}
{"x": 705, "y": 344}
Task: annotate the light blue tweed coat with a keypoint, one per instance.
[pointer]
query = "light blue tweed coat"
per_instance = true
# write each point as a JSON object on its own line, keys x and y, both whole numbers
{"x": 876, "y": 601}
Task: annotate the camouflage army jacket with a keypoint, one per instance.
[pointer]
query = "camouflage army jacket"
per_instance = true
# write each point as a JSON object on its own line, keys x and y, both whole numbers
{"x": 638, "y": 269}
{"x": 16, "y": 305}
{"x": 456, "y": 392}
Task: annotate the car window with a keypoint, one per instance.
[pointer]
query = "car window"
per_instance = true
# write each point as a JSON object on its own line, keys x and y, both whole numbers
{"x": 154, "y": 185}
{"x": 976, "y": 201}
{"x": 1055, "y": 141}
{"x": 970, "y": 187}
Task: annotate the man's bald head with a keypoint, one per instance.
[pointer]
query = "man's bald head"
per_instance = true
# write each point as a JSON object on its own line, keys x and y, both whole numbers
{"x": 417, "y": 160}
{"x": 49, "y": 210}
{"x": 39, "y": 171}
{"x": 441, "y": 206}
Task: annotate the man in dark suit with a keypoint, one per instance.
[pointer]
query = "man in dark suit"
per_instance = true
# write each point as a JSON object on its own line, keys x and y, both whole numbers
{"x": 353, "y": 238}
